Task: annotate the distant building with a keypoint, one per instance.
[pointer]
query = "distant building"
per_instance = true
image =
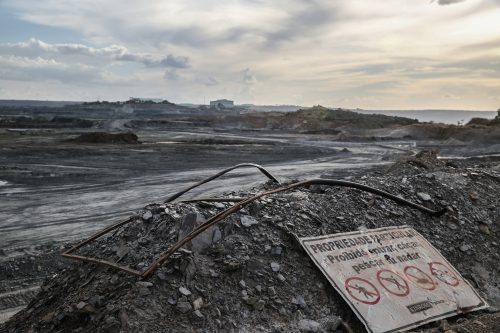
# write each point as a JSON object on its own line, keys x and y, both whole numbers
{"x": 222, "y": 104}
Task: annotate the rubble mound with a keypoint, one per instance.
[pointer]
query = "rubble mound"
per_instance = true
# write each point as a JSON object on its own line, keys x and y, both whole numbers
{"x": 425, "y": 160}
{"x": 249, "y": 274}
{"x": 103, "y": 137}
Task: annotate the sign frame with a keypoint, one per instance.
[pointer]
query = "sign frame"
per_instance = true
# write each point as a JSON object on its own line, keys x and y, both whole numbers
{"x": 341, "y": 290}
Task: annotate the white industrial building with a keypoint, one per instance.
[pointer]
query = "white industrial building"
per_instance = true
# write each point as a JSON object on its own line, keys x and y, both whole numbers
{"x": 222, "y": 104}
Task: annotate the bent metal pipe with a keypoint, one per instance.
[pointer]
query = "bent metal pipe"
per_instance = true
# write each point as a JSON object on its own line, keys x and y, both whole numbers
{"x": 217, "y": 175}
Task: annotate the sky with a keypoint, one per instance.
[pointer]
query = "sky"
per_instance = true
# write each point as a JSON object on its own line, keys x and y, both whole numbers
{"x": 391, "y": 54}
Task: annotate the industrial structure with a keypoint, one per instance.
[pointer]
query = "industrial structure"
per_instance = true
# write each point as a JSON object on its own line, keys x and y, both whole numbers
{"x": 222, "y": 104}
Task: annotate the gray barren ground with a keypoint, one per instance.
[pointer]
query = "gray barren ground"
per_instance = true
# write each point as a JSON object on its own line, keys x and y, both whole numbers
{"x": 249, "y": 273}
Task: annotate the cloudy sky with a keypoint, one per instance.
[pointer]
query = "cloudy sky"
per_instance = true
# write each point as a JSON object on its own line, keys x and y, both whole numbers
{"x": 389, "y": 54}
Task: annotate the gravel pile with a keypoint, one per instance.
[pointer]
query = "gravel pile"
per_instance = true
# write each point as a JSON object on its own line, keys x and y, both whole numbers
{"x": 249, "y": 273}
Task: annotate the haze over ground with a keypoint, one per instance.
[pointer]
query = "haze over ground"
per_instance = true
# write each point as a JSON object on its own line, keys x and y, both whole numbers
{"x": 415, "y": 54}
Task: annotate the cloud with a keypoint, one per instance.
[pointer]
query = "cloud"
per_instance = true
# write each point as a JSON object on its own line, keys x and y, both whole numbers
{"x": 40, "y": 69}
{"x": 249, "y": 81}
{"x": 175, "y": 61}
{"x": 448, "y": 2}
{"x": 389, "y": 54}
{"x": 305, "y": 19}
{"x": 35, "y": 47}
{"x": 171, "y": 75}
{"x": 38, "y": 61}
{"x": 211, "y": 81}
{"x": 248, "y": 77}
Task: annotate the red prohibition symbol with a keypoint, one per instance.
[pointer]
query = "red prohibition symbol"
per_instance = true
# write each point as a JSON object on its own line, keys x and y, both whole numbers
{"x": 362, "y": 290}
{"x": 393, "y": 282}
{"x": 419, "y": 278}
{"x": 444, "y": 274}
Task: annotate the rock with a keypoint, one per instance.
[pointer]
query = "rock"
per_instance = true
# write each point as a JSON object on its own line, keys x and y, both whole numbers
{"x": 84, "y": 307}
{"x": 242, "y": 284}
{"x": 189, "y": 222}
{"x": 330, "y": 323}
{"x": 111, "y": 325}
{"x": 219, "y": 205}
{"x": 122, "y": 251}
{"x": 143, "y": 288}
{"x": 299, "y": 300}
{"x": 281, "y": 277}
{"x": 188, "y": 269}
{"x": 248, "y": 300}
{"x": 473, "y": 195}
{"x": 203, "y": 240}
{"x": 124, "y": 319}
{"x": 184, "y": 307}
{"x": 444, "y": 325}
{"x": 275, "y": 266}
{"x": 465, "y": 247}
{"x": 81, "y": 305}
{"x": 198, "y": 314}
{"x": 217, "y": 235}
{"x": 171, "y": 301}
{"x": 259, "y": 305}
{"x": 184, "y": 291}
{"x": 424, "y": 196}
{"x": 248, "y": 221}
{"x": 484, "y": 229}
{"x": 96, "y": 301}
{"x": 308, "y": 325}
{"x": 147, "y": 216}
{"x": 144, "y": 291}
{"x": 48, "y": 317}
{"x": 271, "y": 291}
{"x": 198, "y": 303}
{"x": 317, "y": 189}
{"x": 276, "y": 250}
{"x": 232, "y": 265}
{"x": 254, "y": 208}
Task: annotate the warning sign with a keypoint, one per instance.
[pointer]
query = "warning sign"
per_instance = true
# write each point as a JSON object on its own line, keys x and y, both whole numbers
{"x": 393, "y": 283}
{"x": 362, "y": 290}
{"x": 444, "y": 274}
{"x": 419, "y": 278}
{"x": 392, "y": 278}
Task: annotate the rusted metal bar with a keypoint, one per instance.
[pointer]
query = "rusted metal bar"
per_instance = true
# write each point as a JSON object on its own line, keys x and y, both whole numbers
{"x": 235, "y": 199}
{"x": 96, "y": 235}
{"x": 238, "y": 206}
{"x": 217, "y": 175}
{"x": 69, "y": 253}
{"x": 103, "y": 262}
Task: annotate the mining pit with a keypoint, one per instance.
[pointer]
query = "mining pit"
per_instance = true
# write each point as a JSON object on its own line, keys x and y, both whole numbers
{"x": 249, "y": 274}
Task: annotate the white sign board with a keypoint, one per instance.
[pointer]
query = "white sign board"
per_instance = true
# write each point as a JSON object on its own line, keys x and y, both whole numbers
{"x": 392, "y": 278}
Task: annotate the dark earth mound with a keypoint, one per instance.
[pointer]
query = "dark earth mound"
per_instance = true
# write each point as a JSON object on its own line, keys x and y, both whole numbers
{"x": 44, "y": 122}
{"x": 249, "y": 274}
{"x": 103, "y": 137}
